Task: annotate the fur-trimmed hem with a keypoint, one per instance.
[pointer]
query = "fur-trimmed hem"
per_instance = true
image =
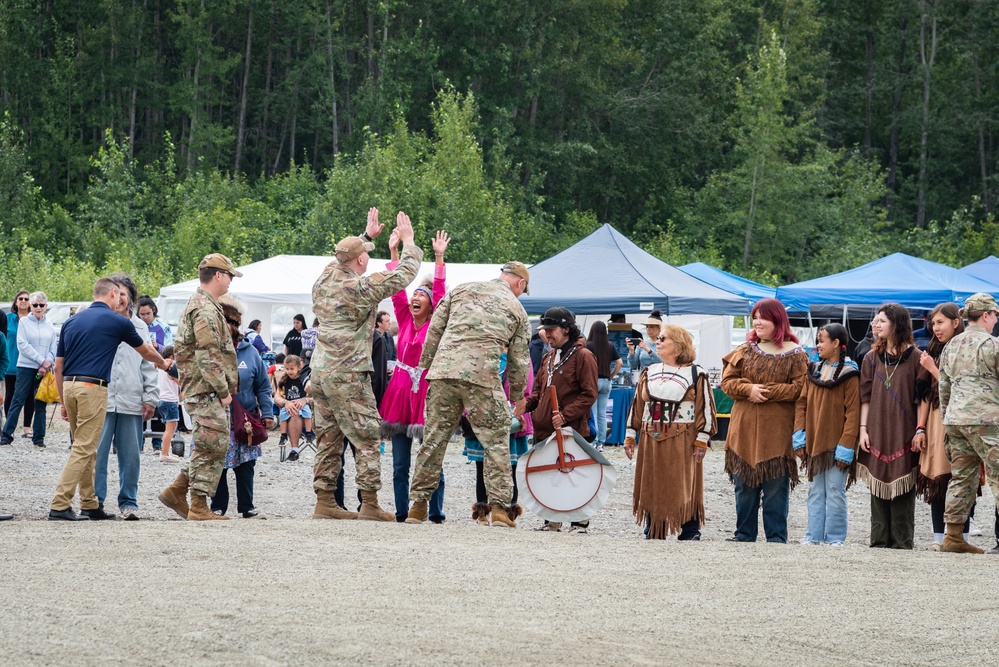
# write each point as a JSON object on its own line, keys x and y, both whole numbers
{"x": 887, "y": 490}
{"x": 389, "y": 429}
{"x": 671, "y": 524}
{"x": 415, "y": 431}
{"x": 762, "y": 471}
{"x": 930, "y": 489}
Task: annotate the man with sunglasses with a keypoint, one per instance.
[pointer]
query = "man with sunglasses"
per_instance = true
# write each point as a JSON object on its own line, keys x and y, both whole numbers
{"x": 209, "y": 376}
{"x": 87, "y": 346}
{"x": 470, "y": 328}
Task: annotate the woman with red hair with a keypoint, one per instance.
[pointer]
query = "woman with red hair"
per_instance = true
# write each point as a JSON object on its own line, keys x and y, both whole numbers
{"x": 763, "y": 376}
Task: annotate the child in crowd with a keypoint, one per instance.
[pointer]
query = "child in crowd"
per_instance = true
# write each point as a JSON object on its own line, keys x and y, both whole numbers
{"x": 309, "y": 341}
{"x": 827, "y": 423}
{"x": 169, "y": 406}
{"x": 296, "y": 410}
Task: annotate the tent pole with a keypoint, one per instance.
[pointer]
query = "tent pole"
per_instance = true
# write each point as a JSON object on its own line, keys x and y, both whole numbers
{"x": 811, "y": 326}
{"x": 844, "y": 314}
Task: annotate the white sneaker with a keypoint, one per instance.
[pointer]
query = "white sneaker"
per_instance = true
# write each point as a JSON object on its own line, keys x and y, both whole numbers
{"x": 974, "y": 530}
{"x": 807, "y": 542}
{"x": 130, "y": 514}
{"x": 837, "y": 544}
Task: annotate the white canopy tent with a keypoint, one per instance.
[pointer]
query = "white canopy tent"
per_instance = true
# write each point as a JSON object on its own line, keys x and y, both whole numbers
{"x": 277, "y": 288}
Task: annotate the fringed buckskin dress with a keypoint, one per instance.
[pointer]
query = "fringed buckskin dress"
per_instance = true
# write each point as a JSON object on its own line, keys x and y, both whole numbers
{"x": 669, "y": 482}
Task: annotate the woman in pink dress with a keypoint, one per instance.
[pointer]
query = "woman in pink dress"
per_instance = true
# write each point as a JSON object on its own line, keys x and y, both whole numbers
{"x": 402, "y": 407}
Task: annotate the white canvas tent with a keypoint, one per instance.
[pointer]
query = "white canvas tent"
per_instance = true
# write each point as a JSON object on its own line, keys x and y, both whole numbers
{"x": 277, "y": 288}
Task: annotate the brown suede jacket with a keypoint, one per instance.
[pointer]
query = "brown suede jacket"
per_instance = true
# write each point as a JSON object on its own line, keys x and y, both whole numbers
{"x": 575, "y": 383}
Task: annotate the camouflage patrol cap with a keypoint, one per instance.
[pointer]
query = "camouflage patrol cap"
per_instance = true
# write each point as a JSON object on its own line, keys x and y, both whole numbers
{"x": 351, "y": 248}
{"x": 981, "y": 303}
{"x": 220, "y": 262}
{"x": 518, "y": 269}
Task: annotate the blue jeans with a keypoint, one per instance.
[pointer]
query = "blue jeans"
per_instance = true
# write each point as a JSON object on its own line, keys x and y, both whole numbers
{"x": 776, "y": 494}
{"x": 126, "y": 431}
{"x": 402, "y": 456}
{"x": 24, "y": 390}
{"x": 600, "y": 409}
{"x": 827, "y": 506}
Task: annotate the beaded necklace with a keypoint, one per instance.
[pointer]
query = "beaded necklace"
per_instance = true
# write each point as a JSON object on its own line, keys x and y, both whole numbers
{"x": 552, "y": 367}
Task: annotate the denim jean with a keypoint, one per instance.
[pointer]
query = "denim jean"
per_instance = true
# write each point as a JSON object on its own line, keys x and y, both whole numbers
{"x": 244, "y": 489}
{"x": 776, "y": 494}
{"x": 827, "y": 506}
{"x": 126, "y": 431}
{"x": 600, "y": 409}
{"x": 24, "y": 390}
{"x": 402, "y": 454}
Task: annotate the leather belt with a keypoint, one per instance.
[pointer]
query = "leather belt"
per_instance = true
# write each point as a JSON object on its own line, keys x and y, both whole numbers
{"x": 86, "y": 378}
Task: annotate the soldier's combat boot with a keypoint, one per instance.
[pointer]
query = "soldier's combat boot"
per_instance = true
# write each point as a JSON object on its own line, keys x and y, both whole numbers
{"x": 175, "y": 495}
{"x": 418, "y": 512}
{"x": 200, "y": 511}
{"x": 502, "y": 516}
{"x": 326, "y": 508}
{"x": 370, "y": 511}
{"x": 954, "y": 541}
{"x": 480, "y": 513}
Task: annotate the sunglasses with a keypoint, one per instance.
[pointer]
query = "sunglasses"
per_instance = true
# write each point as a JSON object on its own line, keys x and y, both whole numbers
{"x": 660, "y": 339}
{"x": 23, "y": 298}
{"x": 39, "y": 305}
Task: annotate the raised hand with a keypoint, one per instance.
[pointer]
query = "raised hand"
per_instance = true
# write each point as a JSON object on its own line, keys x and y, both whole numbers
{"x": 441, "y": 242}
{"x": 373, "y": 229}
{"x": 394, "y": 239}
{"x": 404, "y": 226}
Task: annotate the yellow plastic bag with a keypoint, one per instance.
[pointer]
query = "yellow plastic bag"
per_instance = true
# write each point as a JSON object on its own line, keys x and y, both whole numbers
{"x": 47, "y": 391}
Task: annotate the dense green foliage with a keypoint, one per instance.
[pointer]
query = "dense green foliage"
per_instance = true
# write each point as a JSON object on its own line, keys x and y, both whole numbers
{"x": 780, "y": 139}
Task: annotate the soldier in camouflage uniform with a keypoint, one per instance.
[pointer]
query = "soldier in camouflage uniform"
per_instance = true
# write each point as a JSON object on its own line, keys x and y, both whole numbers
{"x": 469, "y": 329}
{"x": 969, "y": 401}
{"x": 345, "y": 301}
{"x": 206, "y": 361}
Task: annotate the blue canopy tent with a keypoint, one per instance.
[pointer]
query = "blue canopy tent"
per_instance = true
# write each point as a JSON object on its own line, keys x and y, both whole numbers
{"x": 915, "y": 283}
{"x": 607, "y": 273}
{"x": 728, "y": 281}
{"x": 984, "y": 269}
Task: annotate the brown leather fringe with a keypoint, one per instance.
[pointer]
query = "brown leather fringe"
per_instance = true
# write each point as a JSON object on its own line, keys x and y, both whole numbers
{"x": 763, "y": 471}
{"x": 816, "y": 465}
{"x": 671, "y": 524}
{"x": 929, "y": 489}
{"x": 887, "y": 490}
{"x": 758, "y": 365}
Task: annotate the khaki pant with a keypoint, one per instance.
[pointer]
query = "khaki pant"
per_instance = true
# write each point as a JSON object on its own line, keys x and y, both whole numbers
{"x": 86, "y": 405}
{"x": 966, "y": 446}
{"x": 488, "y": 413}
{"x": 344, "y": 406}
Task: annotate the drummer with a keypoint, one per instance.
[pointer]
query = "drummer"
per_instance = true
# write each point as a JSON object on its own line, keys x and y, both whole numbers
{"x": 572, "y": 370}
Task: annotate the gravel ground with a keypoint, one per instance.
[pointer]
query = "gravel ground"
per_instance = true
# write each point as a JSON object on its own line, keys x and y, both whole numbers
{"x": 289, "y": 590}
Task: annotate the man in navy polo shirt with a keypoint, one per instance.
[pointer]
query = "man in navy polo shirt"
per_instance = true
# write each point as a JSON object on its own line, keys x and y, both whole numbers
{"x": 87, "y": 346}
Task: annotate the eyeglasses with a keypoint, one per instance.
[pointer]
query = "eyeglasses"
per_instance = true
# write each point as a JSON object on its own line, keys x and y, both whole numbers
{"x": 39, "y": 305}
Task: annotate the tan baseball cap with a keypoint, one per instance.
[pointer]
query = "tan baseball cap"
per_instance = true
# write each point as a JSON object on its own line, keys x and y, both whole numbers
{"x": 352, "y": 247}
{"x": 518, "y": 269}
{"x": 981, "y": 302}
{"x": 221, "y": 262}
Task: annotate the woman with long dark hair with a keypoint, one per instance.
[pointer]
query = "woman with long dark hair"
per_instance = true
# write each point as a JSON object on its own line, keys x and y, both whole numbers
{"x": 764, "y": 377}
{"x": 606, "y": 354}
{"x": 944, "y": 322}
{"x": 887, "y": 461}
{"x": 293, "y": 339}
{"x": 827, "y": 420}
{"x": 19, "y": 307}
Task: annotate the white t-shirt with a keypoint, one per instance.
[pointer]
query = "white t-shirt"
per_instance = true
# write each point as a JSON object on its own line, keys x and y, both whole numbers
{"x": 169, "y": 389}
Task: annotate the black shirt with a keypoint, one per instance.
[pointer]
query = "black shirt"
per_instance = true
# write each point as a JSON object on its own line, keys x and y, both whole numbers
{"x": 293, "y": 341}
{"x": 604, "y": 373}
{"x": 89, "y": 340}
{"x": 294, "y": 388}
